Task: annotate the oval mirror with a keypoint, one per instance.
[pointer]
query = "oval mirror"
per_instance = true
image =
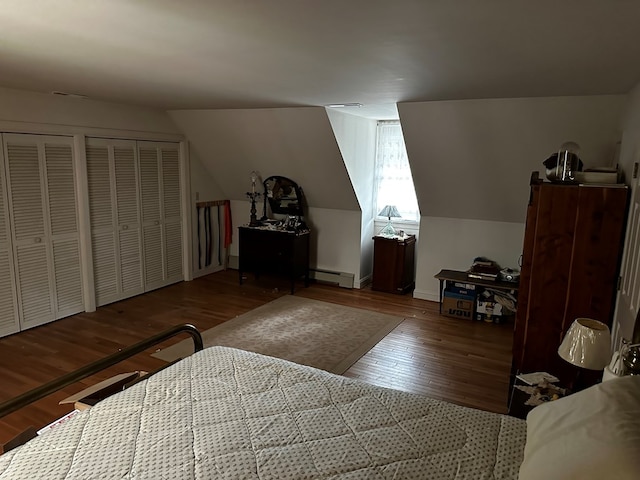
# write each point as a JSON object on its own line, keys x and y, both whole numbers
{"x": 283, "y": 195}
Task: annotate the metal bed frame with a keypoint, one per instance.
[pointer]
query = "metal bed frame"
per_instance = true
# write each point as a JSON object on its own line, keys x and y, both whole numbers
{"x": 53, "y": 386}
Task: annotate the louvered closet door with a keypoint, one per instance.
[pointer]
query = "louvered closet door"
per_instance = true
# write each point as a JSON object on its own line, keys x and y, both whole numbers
{"x": 128, "y": 218}
{"x": 32, "y": 259}
{"x": 43, "y": 207}
{"x": 102, "y": 221}
{"x": 171, "y": 212}
{"x": 151, "y": 228}
{"x": 65, "y": 239}
{"x": 161, "y": 222}
{"x": 8, "y": 307}
{"x": 114, "y": 215}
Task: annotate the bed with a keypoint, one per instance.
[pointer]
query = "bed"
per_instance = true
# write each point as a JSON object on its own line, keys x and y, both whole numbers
{"x": 227, "y": 413}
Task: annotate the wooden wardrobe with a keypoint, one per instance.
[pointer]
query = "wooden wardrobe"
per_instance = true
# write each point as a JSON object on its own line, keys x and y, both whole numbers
{"x": 571, "y": 256}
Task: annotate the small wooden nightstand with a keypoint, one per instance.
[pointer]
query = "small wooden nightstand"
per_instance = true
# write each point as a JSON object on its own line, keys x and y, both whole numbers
{"x": 393, "y": 263}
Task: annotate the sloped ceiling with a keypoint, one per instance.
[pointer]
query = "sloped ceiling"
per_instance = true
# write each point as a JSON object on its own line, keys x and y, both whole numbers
{"x": 256, "y": 53}
{"x": 473, "y": 159}
{"x": 293, "y": 142}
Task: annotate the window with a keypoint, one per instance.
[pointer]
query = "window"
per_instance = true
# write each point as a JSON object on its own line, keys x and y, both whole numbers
{"x": 393, "y": 180}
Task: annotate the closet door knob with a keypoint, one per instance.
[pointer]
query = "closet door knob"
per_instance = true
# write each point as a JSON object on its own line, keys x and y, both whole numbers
{"x": 37, "y": 240}
{"x": 157, "y": 222}
{"x": 125, "y": 227}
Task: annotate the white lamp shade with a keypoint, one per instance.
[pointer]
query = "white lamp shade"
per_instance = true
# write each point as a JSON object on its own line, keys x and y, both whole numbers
{"x": 587, "y": 344}
{"x": 389, "y": 211}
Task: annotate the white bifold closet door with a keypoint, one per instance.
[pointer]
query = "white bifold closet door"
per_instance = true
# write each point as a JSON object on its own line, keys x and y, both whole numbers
{"x": 161, "y": 220}
{"x": 114, "y": 211}
{"x": 9, "y": 322}
{"x": 41, "y": 194}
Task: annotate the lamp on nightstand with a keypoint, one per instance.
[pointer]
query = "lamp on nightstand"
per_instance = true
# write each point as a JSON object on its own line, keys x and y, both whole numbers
{"x": 587, "y": 344}
{"x": 389, "y": 211}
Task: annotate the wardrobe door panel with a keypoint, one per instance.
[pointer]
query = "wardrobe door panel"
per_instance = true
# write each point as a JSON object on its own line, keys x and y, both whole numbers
{"x": 68, "y": 277}
{"x": 173, "y": 242}
{"x": 550, "y": 272}
{"x": 26, "y": 192}
{"x": 126, "y": 186}
{"x": 170, "y": 183}
{"x": 8, "y": 308}
{"x": 61, "y": 190}
{"x": 8, "y": 311}
{"x": 128, "y": 217}
{"x": 35, "y": 297}
{"x": 130, "y": 262}
{"x": 33, "y": 264}
{"x": 104, "y": 272}
{"x": 153, "y": 271}
{"x": 149, "y": 185}
{"x": 117, "y": 237}
{"x": 161, "y": 209}
{"x": 102, "y": 219}
{"x": 98, "y": 173}
{"x": 63, "y": 217}
{"x": 171, "y": 207}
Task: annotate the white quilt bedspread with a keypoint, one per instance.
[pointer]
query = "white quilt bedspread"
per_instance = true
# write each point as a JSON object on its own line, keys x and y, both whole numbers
{"x": 226, "y": 413}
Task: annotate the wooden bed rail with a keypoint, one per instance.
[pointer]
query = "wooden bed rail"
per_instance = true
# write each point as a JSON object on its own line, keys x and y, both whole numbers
{"x": 54, "y": 385}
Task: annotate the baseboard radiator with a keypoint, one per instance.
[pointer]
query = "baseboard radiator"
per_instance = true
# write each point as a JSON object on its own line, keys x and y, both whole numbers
{"x": 343, "y": 279}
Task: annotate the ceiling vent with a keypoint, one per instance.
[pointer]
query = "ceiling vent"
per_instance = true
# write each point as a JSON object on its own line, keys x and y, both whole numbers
{"x": 342, "y": 105}
{"x": 66, "y": 94}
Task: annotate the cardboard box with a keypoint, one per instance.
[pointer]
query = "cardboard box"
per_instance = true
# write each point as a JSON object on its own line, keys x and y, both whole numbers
{"x": 458, "y": 306}
{"x": 488, "y": 311}
{"x": 461, "y": 288}
{"x": 92, "y": 395}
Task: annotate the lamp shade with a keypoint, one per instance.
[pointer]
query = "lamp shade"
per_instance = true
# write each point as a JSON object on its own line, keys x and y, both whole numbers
{"x": 587, "y": 344}
{"x": 389, "y": 211}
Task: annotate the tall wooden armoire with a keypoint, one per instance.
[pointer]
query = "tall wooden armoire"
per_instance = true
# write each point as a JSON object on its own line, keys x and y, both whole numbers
{"x": 571, "y": 256}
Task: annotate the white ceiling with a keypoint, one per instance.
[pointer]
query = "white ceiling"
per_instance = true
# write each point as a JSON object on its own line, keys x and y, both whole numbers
{"x": 182, "y": 54}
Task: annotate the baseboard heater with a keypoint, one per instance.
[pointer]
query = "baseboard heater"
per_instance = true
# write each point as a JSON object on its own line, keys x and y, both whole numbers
{"x": 343, "y": 279}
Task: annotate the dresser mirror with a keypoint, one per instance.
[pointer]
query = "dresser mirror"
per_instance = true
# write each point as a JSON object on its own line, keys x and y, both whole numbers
{"x": 283, "y": 196}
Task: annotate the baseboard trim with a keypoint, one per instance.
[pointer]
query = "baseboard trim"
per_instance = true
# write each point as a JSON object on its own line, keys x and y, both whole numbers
{"x": 433, "y": 297}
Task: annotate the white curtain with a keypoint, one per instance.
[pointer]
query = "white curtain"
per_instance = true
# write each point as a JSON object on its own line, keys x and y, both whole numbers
{"x": 394, "y": 183}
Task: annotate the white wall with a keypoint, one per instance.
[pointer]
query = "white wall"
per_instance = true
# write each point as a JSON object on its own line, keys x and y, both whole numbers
{"x": 474, "y": 158}
{"x": 356, "y": 137}
{"x": 471, "y": 162}
{"x": 453, "y": 243}
{"x": 630, "y": 148}
{"x": 293, "y": 142}
{"x": 72, "y": 115}
{"x": 335, "y": 244}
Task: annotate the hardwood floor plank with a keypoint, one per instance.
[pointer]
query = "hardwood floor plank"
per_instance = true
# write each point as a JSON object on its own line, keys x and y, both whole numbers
{"x": 460, "y": 361}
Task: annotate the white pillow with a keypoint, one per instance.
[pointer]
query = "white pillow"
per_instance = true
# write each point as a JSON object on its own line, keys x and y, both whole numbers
{"x": 593, "y": 434}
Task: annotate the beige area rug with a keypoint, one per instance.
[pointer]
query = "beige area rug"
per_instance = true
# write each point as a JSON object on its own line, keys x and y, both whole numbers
{"x": 320, "y": 334}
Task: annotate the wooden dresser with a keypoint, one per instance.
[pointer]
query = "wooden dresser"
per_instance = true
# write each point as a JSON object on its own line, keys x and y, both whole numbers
{"x": 571, "y": 257}
{"x": 264, "y": 250}
{"x": 393, "y": 263}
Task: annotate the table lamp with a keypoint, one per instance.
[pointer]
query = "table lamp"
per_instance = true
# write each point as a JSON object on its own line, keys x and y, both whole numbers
{"x": 389, "y": 211}
{"x": 587, "y": 344}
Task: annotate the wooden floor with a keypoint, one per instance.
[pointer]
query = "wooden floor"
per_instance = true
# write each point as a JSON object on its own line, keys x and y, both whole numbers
{"x": 460, "y": 361}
